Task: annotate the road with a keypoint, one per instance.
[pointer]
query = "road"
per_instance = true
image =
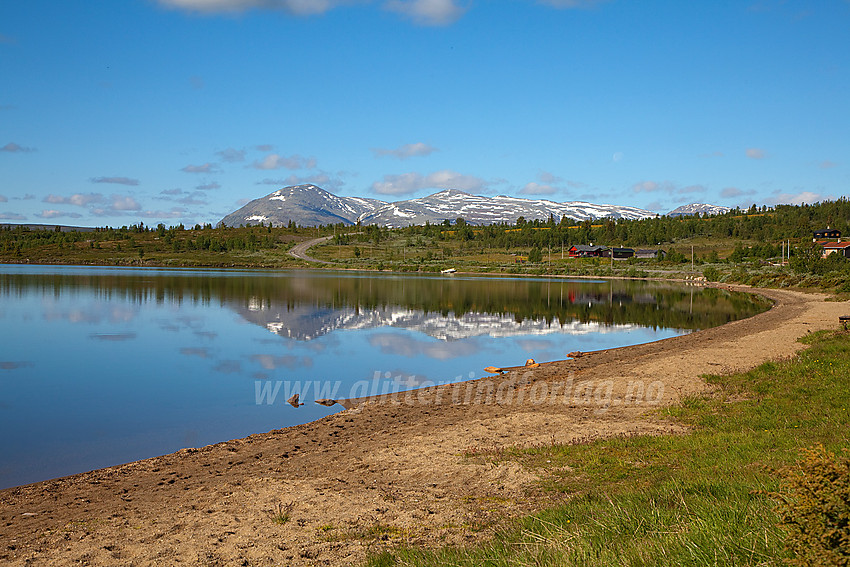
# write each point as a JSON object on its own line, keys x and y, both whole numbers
{"x": 300, "y": 250}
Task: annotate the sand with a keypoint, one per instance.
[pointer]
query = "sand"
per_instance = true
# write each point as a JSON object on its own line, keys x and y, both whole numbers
{"x": 399, "y": 470}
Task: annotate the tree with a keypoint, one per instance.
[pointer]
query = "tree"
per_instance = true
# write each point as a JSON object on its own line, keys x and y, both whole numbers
{"x": 807, "y": 260}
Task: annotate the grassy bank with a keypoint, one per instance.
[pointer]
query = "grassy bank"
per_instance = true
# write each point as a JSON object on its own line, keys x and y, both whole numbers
{"x": 696, "y": 499}
{"x": 497, "y": 250}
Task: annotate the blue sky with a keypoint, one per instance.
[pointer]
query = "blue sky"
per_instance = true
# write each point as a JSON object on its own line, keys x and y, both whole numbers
{"x": 116, "y": 111}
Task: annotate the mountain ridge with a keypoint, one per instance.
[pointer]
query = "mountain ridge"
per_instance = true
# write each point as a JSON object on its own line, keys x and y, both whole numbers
{"x": 694, "y": 208}
{"x": 310, "y": 205}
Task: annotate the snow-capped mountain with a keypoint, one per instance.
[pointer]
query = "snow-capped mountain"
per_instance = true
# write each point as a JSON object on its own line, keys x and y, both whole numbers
{"x": 308, "y": 205}
{"x": 694, "y": 208}
{"x": 480, "y": 210}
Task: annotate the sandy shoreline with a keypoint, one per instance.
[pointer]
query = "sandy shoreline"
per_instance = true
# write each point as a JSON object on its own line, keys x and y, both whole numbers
{"x": 364, "y": 478}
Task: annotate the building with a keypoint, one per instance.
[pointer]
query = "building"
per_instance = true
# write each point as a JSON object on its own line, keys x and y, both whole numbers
{"x": 828, "y": 233}
{"x": 650, "y": 254}
{"x": 585, "y": 251}
{"x": 842, "y": 248}
{"x": 623, "y": 253}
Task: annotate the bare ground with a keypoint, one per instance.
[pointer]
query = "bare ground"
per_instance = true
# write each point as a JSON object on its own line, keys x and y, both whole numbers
{"x": 386, "y": 471}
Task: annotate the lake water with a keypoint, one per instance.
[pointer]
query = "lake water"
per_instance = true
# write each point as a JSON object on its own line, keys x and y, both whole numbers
{"x": 100, "y": 366}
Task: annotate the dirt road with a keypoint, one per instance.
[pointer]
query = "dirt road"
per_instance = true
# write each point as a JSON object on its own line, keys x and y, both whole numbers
{"x": 300, "y": 250}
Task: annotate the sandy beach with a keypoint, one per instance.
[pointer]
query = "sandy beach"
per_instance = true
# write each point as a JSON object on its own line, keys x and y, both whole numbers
{"x": 399, "y": 469}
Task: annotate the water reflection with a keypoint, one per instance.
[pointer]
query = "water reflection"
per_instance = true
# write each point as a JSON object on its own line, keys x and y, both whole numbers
{"x": 307, "y": 305}
{"x": 112, "y": 365}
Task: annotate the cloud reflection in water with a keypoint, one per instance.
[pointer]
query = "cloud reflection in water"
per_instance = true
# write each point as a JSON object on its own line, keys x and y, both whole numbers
{"x": 404, "y": 345}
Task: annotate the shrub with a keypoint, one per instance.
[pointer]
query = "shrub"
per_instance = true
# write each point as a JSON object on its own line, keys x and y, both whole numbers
{"x": 711, "y": 273}
{"x": 817, "y": 513}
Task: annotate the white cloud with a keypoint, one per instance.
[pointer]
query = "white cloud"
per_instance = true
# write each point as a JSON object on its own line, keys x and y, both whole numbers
{"x": 666, "y": 187}
{"x": 407, "y": 183}
{"x": 3, "y": 199}
{"x": 124, "y": 203}
{"x": 174, "y": 213}
{"x": 755, "y": 153}
{"x": 117, "y": 205}
{"x": 203, "y": 168}
{"x": 548, "y": 177}
{"x": 231, "y": 155}
{"x": 275, "y": 161}
{"x": 208, "y": 186}
{"x": 548, "y": 185}
{"x": 193, "y": 200}
{"x": 12, "y": 147}
{"x": 804, "y": 197}
{"x": 826, "y": 164}
{"x": 78, "y": 199}
{"x": 53, "y": 214}
{"x": 645, "y": 187}
{"x": 533, "y": 188}
{"x": 116, "y": 180}
{"x": 406, "y": 151}
{"x": 427, "y": 12}
{"x": 295, "y": 7}
{"x": 690, "y": 189}
{"x": 420, "y": 12}
{"x": 12, "y": 216}
{"x": 321, "y": 179}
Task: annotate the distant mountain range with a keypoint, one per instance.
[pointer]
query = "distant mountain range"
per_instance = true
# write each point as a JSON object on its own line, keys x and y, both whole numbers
{"x": 694, "y": 208}
{"x": 308, "y": 205}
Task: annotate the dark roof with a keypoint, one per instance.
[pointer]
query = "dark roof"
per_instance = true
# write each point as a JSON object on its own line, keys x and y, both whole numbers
{"x": 586, "y": 248}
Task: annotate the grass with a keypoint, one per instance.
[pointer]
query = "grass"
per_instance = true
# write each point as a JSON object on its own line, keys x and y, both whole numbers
{"x": 695, "y": 499}
{"x": 400, "y": 251}
{"x": 283, "y": 513}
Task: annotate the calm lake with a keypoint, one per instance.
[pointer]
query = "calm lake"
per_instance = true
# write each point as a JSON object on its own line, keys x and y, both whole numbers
{"x": 101, "y": 366}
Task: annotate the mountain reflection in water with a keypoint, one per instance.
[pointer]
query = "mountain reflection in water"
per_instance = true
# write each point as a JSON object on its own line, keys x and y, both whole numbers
{"x": 106, "y": 365}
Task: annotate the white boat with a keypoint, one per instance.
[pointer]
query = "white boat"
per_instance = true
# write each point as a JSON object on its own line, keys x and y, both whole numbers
{"x": 448, "y": 271}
